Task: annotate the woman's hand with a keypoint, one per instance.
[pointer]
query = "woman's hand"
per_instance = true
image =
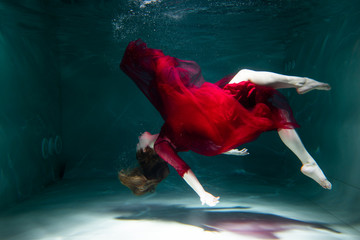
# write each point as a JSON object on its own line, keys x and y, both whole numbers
{"x": 237, "y": 152}
{"x": 209, "y": 199}
{"x": 205, "y": 197}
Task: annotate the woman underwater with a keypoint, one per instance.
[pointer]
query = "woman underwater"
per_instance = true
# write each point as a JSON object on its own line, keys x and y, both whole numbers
{"x": 208, "y": 118}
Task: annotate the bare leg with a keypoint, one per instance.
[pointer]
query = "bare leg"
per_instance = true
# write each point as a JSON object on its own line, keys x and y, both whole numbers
{"x": 274, "y": 80}
{"x": 289, "y": 136}
{"x": 310, "y": 167}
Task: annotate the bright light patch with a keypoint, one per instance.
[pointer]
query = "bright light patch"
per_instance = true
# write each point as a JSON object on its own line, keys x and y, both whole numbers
{"x": 73, "y": 210}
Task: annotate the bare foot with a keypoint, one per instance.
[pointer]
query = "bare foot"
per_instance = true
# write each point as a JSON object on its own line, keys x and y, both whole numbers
{"x": 311, "y": 84}
{"x": 312, "y": 170}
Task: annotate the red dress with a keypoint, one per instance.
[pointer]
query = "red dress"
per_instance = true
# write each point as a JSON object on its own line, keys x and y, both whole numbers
{"x": 206, "y": 118}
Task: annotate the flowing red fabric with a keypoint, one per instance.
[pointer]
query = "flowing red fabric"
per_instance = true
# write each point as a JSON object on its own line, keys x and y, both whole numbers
{"x": 206, "y": 118}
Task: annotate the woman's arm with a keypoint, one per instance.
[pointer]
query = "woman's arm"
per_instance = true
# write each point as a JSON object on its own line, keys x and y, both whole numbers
{"x": 167, "y": 153}
{"x": 205, "y": 197}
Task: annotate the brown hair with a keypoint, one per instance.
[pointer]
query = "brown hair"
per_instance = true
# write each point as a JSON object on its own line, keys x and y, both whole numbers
{"x": 143, "y": 179}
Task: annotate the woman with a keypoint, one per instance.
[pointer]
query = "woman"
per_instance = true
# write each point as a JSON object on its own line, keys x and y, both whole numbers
{"x": 209, "y": 119}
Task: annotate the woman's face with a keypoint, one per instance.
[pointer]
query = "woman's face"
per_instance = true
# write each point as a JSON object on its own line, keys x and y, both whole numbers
{"x": 144, "y": 140}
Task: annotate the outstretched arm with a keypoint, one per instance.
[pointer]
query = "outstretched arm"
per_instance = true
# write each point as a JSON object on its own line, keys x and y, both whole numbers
{"x": 167, "y": 153}
{"x": 205, "y": 197}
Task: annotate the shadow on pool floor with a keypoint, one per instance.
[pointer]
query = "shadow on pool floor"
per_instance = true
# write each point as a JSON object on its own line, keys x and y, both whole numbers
{"x": 235, "y": 220}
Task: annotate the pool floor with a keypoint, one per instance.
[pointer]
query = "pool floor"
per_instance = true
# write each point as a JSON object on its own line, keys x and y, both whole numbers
{"x": 103, "y": 209}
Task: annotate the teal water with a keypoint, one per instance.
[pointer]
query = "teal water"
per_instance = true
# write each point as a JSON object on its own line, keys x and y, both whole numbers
{"x": 59, "y": 77}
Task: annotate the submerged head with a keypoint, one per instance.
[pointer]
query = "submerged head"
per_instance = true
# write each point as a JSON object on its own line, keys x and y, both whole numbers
{"x": 151, "y": 171}
{"x": 146, "y": 140}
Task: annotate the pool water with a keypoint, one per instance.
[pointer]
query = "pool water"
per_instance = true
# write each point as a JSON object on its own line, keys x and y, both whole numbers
{"x": 60, "y": 79}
